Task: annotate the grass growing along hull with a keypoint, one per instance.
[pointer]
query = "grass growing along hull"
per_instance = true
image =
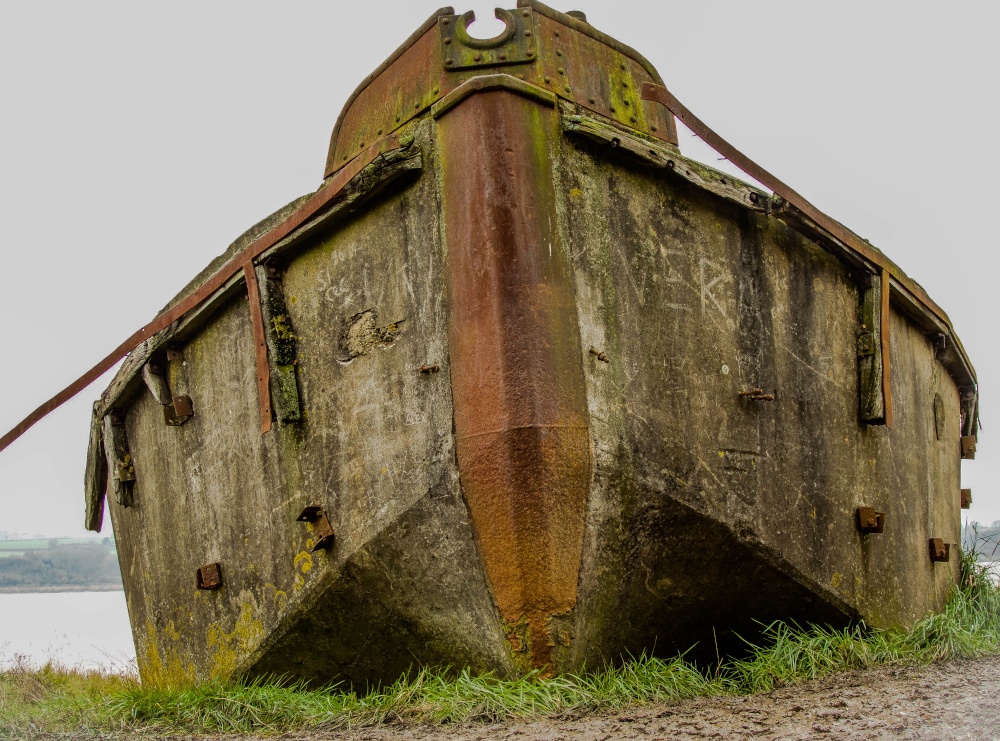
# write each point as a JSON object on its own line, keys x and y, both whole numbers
{"x": 53, "y": 699}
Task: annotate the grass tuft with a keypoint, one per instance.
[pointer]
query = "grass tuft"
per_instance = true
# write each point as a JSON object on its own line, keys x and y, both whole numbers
{"x": 54, "y": 699}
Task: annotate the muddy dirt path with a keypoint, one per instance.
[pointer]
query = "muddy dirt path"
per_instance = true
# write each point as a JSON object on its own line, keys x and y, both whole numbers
{"x": 956, "y": 700}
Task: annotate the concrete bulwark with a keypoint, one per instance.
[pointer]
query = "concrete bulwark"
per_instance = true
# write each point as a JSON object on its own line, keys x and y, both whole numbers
{"x": 531, "y": 391}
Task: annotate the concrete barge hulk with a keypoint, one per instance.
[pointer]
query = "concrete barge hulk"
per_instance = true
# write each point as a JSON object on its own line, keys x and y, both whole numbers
{"x": 522, "y": 387}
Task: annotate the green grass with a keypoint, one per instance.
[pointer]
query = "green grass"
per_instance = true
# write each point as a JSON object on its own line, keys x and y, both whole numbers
{"x": 55, "y": 700}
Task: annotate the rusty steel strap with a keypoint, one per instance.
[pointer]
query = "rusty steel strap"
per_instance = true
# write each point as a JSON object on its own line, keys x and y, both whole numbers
{"x": 260, "y": 346}
{"x": 309, "y": 210}
{"x": 879, "y": 262}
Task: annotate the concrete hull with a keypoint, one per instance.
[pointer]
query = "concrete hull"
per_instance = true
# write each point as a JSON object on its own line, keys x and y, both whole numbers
{"x": 585, "y": 475}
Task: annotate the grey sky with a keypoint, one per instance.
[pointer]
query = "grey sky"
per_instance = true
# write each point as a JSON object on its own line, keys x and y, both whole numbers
{"x": 139, "y": 139}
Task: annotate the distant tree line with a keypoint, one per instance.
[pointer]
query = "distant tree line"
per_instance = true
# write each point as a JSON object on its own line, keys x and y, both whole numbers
{"x": 62, "y": 565}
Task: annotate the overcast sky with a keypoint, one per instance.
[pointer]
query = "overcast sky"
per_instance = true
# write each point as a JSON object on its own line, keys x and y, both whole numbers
{"x": 138, "y": 140}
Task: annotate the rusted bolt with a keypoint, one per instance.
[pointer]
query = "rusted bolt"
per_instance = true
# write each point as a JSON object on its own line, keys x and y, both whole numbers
{"x": 626, "y": 103}
{"x": 870, "y": 521}
{"x": 445, "y": 21}
{"x": 601, "y": 355}
{"x": 671, "y": 164}
{"x": 940, "y": 550}
{"x": 561, "y": 71}
{"x": 379, "y": 132}
{"x": 567, "y": 89}
{"x": 477, "y": 57}
{"x": 435, "y": 91}
{"x": 433, "y": 368}
{"x": 548, "y": 80}
{"x": 966, "y": 498}
{"x": 525, "y": 13}
{"x": 652, "y": 128}
{"x": 753, "y": 198}
{"x": 757, "y": 394}
{"x": 210, "y": 576}
{"x": 631, "y": 119}
{"x": 447, "y": 41}
{"x": 558, "y": 52}
{"x": 556, "y": 34}
{"x": 529, "y": 53}
{"x": 615, "y": 142}
{"x": 527, "y": 33}
{"x": 503, "y": 57}
{"x": 613, "y": 109}
{"x": 416, "y": 105}
{"x": 449, "y": 61}
{"x": 591, "y": 100}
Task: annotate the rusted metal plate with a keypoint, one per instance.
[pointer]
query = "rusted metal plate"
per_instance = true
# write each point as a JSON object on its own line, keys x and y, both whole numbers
{"x": 966, "y": 498}
{"x": 179, "y": 411}
{"x": 869, "y": 520}
{"x": 514, "y": 45}
{"x": 969, "y": 447}
{"x": 260, "y": 347}
{"x": 322, "y": 530}
{"x": 515, "y": 359}
{"x": 939, "y": 550}
{"x": 210, "y": 576}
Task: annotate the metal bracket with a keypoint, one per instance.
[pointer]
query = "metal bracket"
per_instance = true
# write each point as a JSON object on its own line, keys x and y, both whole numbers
{"x": 179, "y": 411}
{"x": 315, "y": 515}
{"x": 969, "y": 447}
{"x": 966, "y": 498}
{"x": 515, "y": 45}
{"x": 210, "y": 576}
{"x": 870, "y": 521}
{"x": 940, "y": 551}
{"x": 866, "y": 344}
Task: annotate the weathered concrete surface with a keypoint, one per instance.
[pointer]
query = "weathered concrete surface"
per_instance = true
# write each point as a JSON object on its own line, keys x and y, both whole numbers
{"x": 695, "y": 301}
{"x": 519, "y": 359}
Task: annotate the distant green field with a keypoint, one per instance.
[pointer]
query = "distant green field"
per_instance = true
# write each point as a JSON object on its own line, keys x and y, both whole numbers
{"x": 6, "y": 553}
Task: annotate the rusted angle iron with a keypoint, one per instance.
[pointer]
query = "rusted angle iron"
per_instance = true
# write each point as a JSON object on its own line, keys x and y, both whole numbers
{"x": 309, "y": 210}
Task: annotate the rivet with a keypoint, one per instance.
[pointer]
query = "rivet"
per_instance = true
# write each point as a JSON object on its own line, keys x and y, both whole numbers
{"x": 652, "y": 128}
{"x": 416, "y": 106}
{"x": 623, "y": 66}
{"x": 561, "y": 71}
{"x": 567, "y": 89}
{"x": 624, "y": 83}
{"x": 435, "y": 91}
{"x": 627, "y": 103}
{"x": 397, "y": 118}
{"x": 525, "y": 13}
{"x": 362, "y": 145}
{"x": 503, "y": 57}
{"x": 529, "y": 53}
{"x": 527, "y": 33}
{"x": 449, "y": 61}
{"x": 477, "y": 58}
{"x": 379, "y": 132}
{"x": 632, "y": 119}
{"x": 557, "y": 34}
{"x": 447, "y": 41}
{"x": 591, "y": 101}
{"x": 548, "y": 80}
{"x": 445, "y": 21}
{"x": 558, "y": 52}
{"x": 613, "y": 109}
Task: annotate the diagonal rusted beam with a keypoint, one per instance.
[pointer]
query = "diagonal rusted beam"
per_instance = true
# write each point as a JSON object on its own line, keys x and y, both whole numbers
{"x": 260, "y": 347}
{"x": 309, "y": 210}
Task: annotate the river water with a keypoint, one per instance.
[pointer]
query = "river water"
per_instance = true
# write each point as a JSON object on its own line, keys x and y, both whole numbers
{"x": 86, "y": 630}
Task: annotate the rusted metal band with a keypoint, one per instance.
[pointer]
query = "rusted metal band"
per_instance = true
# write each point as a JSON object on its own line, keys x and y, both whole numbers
{"x": 260, "y": 347}
{"x": 886, "y": 365}
{"x": 492, "y": 82}
{"x": 870, "y": 255}
{"x": 310, "y": 209}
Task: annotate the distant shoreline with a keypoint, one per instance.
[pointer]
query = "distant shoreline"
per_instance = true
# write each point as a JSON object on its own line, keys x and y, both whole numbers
{"x": 37, "y": 588}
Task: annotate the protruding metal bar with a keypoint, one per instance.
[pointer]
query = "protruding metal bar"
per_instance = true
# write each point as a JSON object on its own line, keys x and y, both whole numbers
{"x": 260, "y": 347}
{"x": 886, "y": 362}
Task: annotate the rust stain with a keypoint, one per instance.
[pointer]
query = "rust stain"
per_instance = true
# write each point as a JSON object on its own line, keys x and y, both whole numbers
{"x": 516, "y": 371}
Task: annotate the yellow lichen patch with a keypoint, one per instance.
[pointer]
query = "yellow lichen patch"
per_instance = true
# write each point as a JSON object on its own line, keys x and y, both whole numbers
{"x": 230, "y": 647}
{"x": 304, "y": 561}
{"x": 837, "y": 578}
{"x": 576, "y": 194}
